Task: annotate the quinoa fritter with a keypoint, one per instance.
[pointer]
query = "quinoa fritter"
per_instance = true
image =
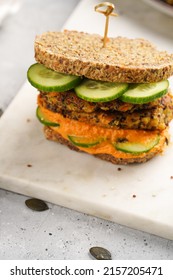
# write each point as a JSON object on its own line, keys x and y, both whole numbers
{"x": 150, "y": 116}
{"x": 56, "y": 101}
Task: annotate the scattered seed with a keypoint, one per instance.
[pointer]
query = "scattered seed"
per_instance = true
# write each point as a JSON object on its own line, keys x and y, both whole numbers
{"x": 29, "y": 165}
{"x": 167, "y": 141}
{"x": 134, "y": 195}
{"x": 100, "y": 253}
{"x": 36, "y": 204}
{"x": 119, "y": 168}
{"x": 1, "y": 112}
{"x": 171, "y": 177}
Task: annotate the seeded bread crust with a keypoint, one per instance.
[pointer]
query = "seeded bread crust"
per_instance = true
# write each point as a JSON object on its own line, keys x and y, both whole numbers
{"x": 50, "y": 134}
{"x": 123, "y": 60}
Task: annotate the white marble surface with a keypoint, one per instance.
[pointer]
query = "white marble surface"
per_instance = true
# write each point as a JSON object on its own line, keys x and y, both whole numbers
{"x": 60, "y": 233}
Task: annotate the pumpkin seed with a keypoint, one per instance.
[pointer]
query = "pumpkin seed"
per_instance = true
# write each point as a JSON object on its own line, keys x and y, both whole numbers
{"x": 1, "y": 112}
{"x": 36, "y": 204}
{"x": 100, "y": 253}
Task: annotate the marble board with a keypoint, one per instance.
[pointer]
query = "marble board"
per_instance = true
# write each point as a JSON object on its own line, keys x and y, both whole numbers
{"x": 139, "y": 196}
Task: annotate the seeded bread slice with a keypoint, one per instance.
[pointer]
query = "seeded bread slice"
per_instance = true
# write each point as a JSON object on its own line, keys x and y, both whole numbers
{"x": 122, "y": 60}
{"x": 50, "y": 134}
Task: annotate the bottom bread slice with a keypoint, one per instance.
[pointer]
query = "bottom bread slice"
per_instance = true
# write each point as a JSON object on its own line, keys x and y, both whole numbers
{"x": 53, "y": 135}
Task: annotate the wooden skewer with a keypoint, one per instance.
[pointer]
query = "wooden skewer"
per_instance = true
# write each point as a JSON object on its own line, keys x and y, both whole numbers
{"x": 108, "y": 12}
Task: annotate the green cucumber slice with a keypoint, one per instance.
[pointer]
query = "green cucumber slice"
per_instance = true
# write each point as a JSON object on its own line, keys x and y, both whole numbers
{"x": 144, "y": 93}
{"x": 136, "y": 147}
{"x": 43, "y": 119}
{"x": 98, "y": 91}
{"x": 83, "y": 141}
{"x": 46, "y": 79}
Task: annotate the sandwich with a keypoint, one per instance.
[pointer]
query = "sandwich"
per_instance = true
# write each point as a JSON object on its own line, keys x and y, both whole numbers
{"x": 114, "y": 103}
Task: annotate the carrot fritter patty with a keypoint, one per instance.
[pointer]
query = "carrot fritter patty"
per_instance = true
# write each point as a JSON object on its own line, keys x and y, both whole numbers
{"x": 56, "y": 101}
{"x": 150, "y": 116}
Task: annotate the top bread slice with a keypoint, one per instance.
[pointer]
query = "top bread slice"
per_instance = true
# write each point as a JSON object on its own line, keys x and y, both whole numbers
{"x": 122, "y": 60}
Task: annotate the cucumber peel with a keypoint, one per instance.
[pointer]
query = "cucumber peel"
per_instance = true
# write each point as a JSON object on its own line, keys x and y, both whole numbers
{"x": 137, "y": 147}
{"x": 48, "y": 80}
{"x": 99, "y": 91}
{"x": 83, "y": 141}
{"x": 43, "y": 119}
{"x": 144, "y": 93}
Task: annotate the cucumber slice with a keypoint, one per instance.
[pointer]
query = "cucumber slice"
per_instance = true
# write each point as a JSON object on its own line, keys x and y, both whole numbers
{"x": 144, "y": 93}
{"x": 98, "y": 91}
{"x": 43, "y": 119}
{"x": 83, "y": 141}
{"x": 136, "y": 147}
{"x": 46, "y": 79}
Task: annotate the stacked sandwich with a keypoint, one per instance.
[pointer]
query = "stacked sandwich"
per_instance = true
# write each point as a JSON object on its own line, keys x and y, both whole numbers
{"x": 112, "y": 102}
